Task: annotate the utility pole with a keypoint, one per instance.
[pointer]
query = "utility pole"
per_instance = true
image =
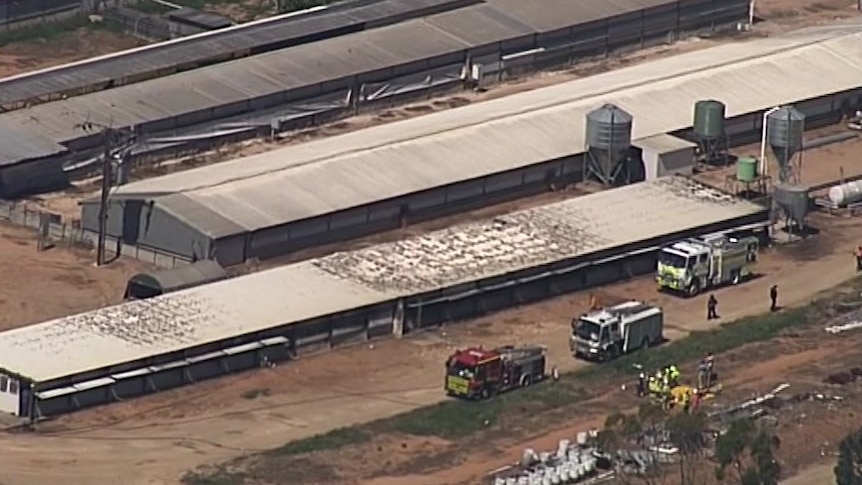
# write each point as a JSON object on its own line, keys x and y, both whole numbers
{"x": 107, "y": 142}
{"x": 112, "y": 140}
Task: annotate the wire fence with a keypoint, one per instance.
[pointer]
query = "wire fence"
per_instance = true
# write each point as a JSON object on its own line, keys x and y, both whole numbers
{"x": 52, "y": 230}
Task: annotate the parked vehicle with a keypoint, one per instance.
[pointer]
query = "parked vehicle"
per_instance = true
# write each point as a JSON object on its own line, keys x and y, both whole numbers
{"x": 477, "y": 373}
{"x": 607, "y": 333}
{"x": 693, "y": 265}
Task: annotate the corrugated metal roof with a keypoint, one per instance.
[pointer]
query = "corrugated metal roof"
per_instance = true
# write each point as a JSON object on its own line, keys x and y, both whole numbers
{"x": 551, "y": 15}
{"x": 480, "y": 25}
{"x": 255, "y": 37}
{"x": 181, "y": 277}
{"x": 663, "y": 143}
{"x": 349, "y": 170}
{"x": 344, "y": 281}
{"x": 17, "y": 145}
{"x": 236, "y": 81}
{"x": 259, "y": 77}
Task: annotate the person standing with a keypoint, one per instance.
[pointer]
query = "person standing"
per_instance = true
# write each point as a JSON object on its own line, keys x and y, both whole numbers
{"x": 711, "y": 306}
{"x": 859, "y": 258}
{"x": 773, "y": 298}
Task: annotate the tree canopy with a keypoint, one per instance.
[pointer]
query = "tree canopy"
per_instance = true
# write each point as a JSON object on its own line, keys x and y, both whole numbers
{"x": 745, "y": 454}
{"x": 848, "y": 471}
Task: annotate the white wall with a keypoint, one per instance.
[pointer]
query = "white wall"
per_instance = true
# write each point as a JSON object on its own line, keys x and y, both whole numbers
{"x": 9, "y": 390}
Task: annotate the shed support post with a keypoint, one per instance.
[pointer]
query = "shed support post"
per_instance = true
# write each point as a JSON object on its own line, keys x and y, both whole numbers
{"x": 398, "y": 320}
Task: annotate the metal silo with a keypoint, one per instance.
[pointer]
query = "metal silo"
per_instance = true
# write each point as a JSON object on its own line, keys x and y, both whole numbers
{"x": 785, "y": 127}
{"x": 794, "y": 202}
{"x": 609, "y": 140}
{"x": 708, "y": 128}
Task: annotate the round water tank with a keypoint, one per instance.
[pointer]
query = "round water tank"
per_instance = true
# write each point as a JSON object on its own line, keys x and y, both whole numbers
{"x": 746, "y": 169}
{"x": 848, "y": 193}
{"x": 793, "y": 199}
{"x": 785, "y": 127}
{"x": 709, "y": 119}
{"x": 609, "y": 128}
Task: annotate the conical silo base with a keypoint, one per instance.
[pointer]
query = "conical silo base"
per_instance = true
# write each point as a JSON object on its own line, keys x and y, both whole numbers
{"x": 602, "y": 167}
{"x": 784, "y": 158}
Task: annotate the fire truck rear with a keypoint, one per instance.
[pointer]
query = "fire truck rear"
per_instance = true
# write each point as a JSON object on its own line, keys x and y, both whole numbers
{"x": 477, "y": 373}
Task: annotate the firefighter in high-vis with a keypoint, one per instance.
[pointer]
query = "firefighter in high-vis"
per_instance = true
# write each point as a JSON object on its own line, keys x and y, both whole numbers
{"x": 673, "y": 375}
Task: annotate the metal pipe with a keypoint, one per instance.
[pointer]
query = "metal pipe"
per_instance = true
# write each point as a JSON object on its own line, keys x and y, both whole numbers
{"x": 828, "y": 140}
{"x": 764, "y": 170}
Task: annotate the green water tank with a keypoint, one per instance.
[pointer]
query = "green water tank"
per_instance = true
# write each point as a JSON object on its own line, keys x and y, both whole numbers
{"x": 709, "y": 119}
{"x": 746, "y": 169}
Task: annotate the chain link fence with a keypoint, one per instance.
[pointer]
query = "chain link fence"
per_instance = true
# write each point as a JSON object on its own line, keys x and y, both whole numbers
{"x": 52, "y": 230}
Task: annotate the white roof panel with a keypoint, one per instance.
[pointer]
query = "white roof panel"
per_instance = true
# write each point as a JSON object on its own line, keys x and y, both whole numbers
{"x": 209, "y": 313}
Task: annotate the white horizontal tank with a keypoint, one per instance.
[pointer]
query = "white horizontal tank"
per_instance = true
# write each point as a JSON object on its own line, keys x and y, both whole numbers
{"x": 848, "y": 193}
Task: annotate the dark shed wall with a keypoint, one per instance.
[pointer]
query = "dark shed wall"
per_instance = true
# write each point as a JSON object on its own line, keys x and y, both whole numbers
{"x": 141, "y": 223}
{"x": 32, "y": 177}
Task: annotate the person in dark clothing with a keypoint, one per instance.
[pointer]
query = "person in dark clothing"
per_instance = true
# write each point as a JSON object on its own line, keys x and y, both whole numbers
{"x": 711, "y": 305}
{"x": 858, "y": 254}
{"x": 773, "y": 298}
{"x": 641, "y": 384}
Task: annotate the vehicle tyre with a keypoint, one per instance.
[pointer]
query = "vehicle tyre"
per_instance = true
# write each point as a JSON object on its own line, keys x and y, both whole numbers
{"x": 645, "y": 344}
{"x": 693, "y": 289}
{"x": 735, "y": 277}
{"x": 485, "y": 394}
{"x": 526, "y": 381}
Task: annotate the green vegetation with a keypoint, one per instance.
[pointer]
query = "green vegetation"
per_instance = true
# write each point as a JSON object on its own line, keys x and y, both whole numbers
{"x": 848, "y": 471}
{"x": 333, "y": 440}
{"x": 219, "y": 476}
{"x": 47, "y": 31}
{"x": 255, "y": 393}
{"x": 746, "y": 455}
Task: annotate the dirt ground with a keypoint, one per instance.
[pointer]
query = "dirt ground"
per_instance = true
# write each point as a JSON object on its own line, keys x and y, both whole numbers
{"x": 83, "y": 43}
{"x": 55, "y": 283}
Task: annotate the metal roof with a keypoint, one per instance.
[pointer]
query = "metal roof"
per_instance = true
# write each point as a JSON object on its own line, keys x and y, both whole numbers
{"x": 160, "y": 102}
{"x": 237, "y": 81}
{"x": 17, "y": 145}
{"x": 340, "y": 172}
{"x": 238, "y": 41}
{"x": 553, "y": 15}
{"x": 663, "y": 143}
{"x": 180, "y": 277}
{"x": 344, "y": 281}
{"x": 175, "y": 321}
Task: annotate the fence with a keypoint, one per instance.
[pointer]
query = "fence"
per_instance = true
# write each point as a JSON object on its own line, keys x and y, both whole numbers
{"x": 19, "y": 14}
{"x": 139, "y": 24}
{"x": 51, "y": 230}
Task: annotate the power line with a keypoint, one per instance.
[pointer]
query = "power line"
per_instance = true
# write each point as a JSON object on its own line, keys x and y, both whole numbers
{"x": 114, "y": 142}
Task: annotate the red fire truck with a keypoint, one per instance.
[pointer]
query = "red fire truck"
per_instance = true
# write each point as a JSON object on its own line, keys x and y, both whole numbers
{"x": 477, "y": 373}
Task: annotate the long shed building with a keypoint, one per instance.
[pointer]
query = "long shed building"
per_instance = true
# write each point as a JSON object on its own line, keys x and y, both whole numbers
{"x": 335, "y": 77}
{"x": 150, "y": 345}
{"x": 354, "y": 184}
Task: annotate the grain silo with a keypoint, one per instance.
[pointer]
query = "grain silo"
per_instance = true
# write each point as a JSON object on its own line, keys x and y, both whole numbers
{"x": 785, "y": 126}
{"x": 609, "y": 140}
